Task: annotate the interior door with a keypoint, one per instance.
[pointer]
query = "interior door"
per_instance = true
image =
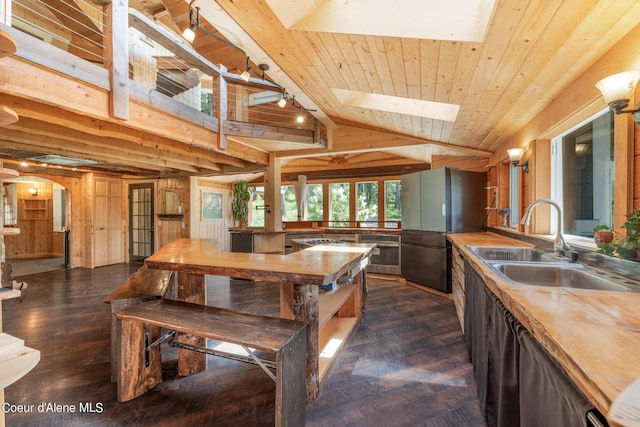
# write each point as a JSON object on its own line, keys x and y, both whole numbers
{"x": 141, "y": 232}
{"x": 108, "y": 223}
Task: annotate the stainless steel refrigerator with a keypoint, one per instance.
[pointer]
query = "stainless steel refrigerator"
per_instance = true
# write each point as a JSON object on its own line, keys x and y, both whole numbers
{"x": 434, "y": 203}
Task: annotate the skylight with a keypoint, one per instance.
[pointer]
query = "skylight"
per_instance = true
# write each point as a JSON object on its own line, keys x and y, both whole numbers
{"x": 396, "y": 104}
{"x": 461, "y": 20}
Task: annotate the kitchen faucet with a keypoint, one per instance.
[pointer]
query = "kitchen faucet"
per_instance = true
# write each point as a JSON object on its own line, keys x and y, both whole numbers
{"x": 559, "y": 245}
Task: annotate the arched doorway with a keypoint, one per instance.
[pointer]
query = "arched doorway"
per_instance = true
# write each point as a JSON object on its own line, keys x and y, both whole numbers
{"x": 39, "y": 208}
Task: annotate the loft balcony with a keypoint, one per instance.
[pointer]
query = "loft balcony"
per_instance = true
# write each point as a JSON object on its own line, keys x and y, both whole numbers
{"x": 111, "y": 85}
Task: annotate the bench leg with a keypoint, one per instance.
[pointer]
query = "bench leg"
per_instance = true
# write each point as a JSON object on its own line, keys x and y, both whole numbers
{"x": 191, "y": 288}
{"x": 135, "y": 376}
{"x": 300, "y": 302}
{"x": 291, "y": 394}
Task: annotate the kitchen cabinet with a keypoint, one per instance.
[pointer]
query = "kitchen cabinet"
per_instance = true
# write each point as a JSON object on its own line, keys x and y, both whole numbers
{"x": 519, "y": 383}
{"x": 458, "y": 287}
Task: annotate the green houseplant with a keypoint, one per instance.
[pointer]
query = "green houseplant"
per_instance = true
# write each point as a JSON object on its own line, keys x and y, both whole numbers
{"x": 240, "y": 202}
{"x": 629, "y": 247}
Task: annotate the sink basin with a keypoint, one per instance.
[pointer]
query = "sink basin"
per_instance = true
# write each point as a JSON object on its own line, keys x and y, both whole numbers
{"x": 513, "y": 253}
{"x": 569, "y": 275}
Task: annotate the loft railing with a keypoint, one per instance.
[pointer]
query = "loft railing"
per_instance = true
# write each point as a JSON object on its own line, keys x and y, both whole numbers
{"x": 151, "y": 65}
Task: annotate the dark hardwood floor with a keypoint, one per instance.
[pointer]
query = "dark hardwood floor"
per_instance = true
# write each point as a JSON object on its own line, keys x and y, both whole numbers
{"x": 406, "y": 365}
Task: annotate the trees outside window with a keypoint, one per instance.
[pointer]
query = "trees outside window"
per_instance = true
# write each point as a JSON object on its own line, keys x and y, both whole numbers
{"x": 367, "y": 203}
{"x": 314, "y": 202}
{"x": 288, "y": 203}
{"x": 392, "y": 209}
{"x": 339, "y": 204}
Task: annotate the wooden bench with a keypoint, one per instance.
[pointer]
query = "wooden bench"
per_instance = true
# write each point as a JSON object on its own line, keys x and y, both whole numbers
{"x": 143, "y": 285}
{"x": 140, "y": 365}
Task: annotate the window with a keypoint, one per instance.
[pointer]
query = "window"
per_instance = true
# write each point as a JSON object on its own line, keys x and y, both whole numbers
{"x": 339, "y": 204}
{"x": 392, "y": 210}
{"x": 367, "y": 203}
{"x": 256, "y": 207}
{"x": 288, "y": 203}
{"x": 583, "y": 175}
{"x": 314, "y": 202}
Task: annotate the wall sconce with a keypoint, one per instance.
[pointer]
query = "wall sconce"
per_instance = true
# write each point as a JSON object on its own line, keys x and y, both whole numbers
{"x": 618, "y": 90}
{"x": 33, "y": 191}
{"x": 515, "y": 155}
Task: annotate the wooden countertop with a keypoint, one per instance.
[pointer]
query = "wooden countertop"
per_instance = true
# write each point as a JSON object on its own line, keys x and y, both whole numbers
{"x": 333, "y": 230}
{"x": 594, "y": 335}
{"x": 317, "y": 265}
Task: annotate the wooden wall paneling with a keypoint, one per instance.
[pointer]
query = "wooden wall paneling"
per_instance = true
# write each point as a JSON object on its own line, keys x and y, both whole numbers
{"x": 539, "y": 184}
{"x": 76, "y": 219}
{"x": 623, "y": 152}
{"x": 169, "y": 228}
{"x": 35, "y": 221}
{"x": 210, "y": 229}
{"x": 636, "y": 169}
{"x": 492, "y": 181}
{"x": 504, "y": 178}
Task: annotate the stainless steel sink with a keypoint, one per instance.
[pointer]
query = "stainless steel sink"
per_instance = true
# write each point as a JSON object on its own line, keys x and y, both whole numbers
{"x": 565, "y": 275}
{"x": 513, "y": 253}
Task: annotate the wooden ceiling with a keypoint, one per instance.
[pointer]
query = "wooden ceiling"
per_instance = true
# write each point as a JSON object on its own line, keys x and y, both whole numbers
{"x": 532, "y": 51}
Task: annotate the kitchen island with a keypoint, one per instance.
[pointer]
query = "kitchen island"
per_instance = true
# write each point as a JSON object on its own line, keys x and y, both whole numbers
{"x": 593, "y": 334}
{"x": 331, "y": 317}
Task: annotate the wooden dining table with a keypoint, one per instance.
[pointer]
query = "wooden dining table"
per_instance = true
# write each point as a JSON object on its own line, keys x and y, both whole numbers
{"x": 331, "y": 316}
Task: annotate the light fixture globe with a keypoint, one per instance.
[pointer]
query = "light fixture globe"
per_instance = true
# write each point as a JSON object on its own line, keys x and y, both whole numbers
{"x": 618, "y": 89}
{"x": 515, "y": 154}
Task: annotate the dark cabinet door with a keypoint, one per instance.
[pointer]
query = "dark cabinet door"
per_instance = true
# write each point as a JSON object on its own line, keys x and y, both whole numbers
{"x": 519, "y": 382}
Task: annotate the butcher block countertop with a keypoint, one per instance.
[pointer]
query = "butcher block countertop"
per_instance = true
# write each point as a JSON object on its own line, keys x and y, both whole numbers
{"x": 318, "y": 265}
{"x": 594, "y": 335}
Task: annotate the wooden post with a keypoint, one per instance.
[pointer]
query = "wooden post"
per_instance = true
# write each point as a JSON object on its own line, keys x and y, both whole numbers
{"x": 116, "y": 49}
{"x": 191, "y": 288}
{"x": 223, "y": 107}
{"x": 272, "y": 196}
{"x": 5, "y": 12}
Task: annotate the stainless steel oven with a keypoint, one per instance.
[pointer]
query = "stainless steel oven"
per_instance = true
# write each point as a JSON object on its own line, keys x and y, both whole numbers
{"x": 385, "y": 258}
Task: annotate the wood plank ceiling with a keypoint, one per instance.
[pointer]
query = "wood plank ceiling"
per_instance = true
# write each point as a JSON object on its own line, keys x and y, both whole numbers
{"x": 531, "y": 51}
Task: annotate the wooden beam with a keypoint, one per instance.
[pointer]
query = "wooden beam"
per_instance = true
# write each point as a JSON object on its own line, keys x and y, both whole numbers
{"x": 289, "y": 175}
{"x": 276, "y": 133}
{"x": 348, "y": 139}
{"x": 171, "y": 43}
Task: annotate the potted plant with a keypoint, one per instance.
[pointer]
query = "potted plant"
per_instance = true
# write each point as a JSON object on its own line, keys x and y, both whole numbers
{"x": 240, "y": 202}
{"x": 629, "y": 247}
{"x": 602, "y": 234}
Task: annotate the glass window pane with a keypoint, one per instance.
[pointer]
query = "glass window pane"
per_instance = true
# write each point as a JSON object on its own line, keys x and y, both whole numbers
{"x": 367, "y": 203}
{"x": 339, "y": 204}
{"x": 314, "y": 202}
{"x": 288, "y": 203}
{"x": 585, "y": 185}
{"x": 256, "y": 208}
{"x": 392, "y": 206}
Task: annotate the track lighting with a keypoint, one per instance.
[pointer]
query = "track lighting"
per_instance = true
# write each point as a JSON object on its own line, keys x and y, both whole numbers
{"x": 300, "y": 117}
{"x": 283, "y": 101}
{"x": 194, "y": 24}
{"x": 246, "y": 74}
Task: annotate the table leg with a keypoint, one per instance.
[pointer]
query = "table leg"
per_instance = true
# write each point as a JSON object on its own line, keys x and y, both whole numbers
{"x": 191, "y": 288}
{"x": 300, "y": 302}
